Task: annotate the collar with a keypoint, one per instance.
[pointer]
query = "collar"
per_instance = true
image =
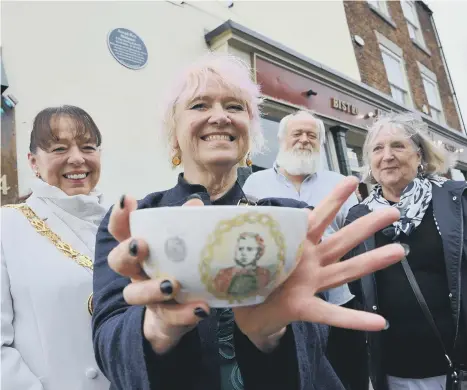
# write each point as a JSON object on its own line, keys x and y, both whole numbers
{"x": 180, "y": 193}
{"x": 281, "y": 175}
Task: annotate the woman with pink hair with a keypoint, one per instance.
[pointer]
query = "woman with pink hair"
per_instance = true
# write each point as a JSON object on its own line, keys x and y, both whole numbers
{"x": 143, "y": 340}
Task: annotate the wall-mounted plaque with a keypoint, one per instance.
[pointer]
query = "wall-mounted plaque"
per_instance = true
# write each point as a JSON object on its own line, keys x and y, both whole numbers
{"x": 127, "y": 48}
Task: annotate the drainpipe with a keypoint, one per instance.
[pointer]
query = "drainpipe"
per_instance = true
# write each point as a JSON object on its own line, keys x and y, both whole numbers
{"x": 451, "y": 85}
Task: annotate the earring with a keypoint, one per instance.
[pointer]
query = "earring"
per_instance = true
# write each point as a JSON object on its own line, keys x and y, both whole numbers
{"x": 370, "y": 174}
{"x": 421, "y": 169}
{"x": 176, "y": 161}
{"x": 248, "y": 161}
{"x": 38, "y": 175}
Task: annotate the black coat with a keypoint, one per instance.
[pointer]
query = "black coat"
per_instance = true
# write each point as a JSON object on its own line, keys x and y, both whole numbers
{"x": 450, "y": 208}
{"x": 128, "y": 361}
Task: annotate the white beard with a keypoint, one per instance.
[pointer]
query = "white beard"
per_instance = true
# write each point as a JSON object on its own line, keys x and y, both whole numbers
{"x": 299, "y": 161}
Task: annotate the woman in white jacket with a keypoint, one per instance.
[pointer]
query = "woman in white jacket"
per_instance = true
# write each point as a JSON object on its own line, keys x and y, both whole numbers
{"x": 46, "y": 260}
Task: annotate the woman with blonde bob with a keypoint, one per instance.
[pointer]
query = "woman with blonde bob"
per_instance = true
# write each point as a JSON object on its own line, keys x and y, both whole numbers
{"x": 415, "y": 353}
{"x": 144, "y": 340}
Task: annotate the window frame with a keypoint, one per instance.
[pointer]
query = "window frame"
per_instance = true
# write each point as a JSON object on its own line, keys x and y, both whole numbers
{"x": 429, "y": 76}
{"x": 415, "y": 24}
{"x": 381, "y": 9}
{"x": 440, "y": 110}
{"x": 406, "y": 87}
{"x": 382, "y": 6}
{"x": 273, "y": 115}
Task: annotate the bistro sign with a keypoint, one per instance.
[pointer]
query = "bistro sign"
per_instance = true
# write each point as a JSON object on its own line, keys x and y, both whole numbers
{"x": 344, "y": 106}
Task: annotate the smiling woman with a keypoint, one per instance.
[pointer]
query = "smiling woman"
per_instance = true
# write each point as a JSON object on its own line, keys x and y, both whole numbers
{"x": 64, "y": 149}
{"x": 46, "y": 259}
{"x": 405, "y": 166}
{"x": 144, "y": 339}
{"x": 212, "y": 115}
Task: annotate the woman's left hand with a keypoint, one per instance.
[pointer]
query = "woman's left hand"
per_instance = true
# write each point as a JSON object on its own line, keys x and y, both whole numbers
{"x": 318, "y": 270}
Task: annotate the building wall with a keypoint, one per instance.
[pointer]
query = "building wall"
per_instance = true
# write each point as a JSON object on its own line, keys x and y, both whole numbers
{"x": 363, "y": 21}
{"x": 56, "y": 53}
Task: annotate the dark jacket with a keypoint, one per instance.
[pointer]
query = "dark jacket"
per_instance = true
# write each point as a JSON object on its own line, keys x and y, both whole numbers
{"x": 128, "y": 361}
{"x": 450, "y": 208}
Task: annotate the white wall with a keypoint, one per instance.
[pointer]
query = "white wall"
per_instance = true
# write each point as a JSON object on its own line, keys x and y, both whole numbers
{"x": 56, "y": 53}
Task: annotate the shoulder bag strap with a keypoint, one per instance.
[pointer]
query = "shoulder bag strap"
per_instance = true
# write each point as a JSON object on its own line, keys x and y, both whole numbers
{"x": 423, "y": 305}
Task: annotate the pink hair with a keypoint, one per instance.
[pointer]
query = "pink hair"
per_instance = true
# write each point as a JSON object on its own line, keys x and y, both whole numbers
{"x": 229, "y": 72}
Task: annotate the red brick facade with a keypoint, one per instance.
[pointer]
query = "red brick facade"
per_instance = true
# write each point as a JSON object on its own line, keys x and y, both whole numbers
{"x": 363, "y": 21}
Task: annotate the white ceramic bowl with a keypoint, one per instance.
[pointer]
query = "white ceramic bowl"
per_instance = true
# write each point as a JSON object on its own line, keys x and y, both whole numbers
{"x": 224, "y": 255}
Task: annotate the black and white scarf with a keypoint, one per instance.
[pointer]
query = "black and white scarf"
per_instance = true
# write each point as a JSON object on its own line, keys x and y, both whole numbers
{"x": 412, "y": 205}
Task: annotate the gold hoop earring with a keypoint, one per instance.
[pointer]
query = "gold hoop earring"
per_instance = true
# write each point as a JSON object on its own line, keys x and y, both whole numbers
{"x": 176, "y": 161}
{"x": 248, "y": 161}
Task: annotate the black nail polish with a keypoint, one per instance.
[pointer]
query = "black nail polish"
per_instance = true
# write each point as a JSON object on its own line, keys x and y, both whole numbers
{"x": 194, "y": 196}
{"x": 406, "y": 249}
{"x": 122, "y": 201}
{"x": 200, "y": 313}
{"x": 133, "y": 247}
{"x": 166, "y": 287}
{"x": 386, "y": 327}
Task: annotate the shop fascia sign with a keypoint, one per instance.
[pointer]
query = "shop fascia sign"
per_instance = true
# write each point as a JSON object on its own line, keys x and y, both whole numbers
{"x": 352, "y": 109}
{"x": 341, "y": 105}
{"x": 452, "y": 148}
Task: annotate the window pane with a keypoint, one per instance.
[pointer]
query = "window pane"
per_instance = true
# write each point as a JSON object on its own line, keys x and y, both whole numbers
{"x": 393, "y": 70}
{"x": 398, "y": 94}
{"x": 381, "y": 5}
{"x": 353, "y": 160}
{"x": 271, "y": 143}
{"x": 266, "y": 160}
{"x": 409, "y": 11}
{"x": 384, "y": 7}
{"x": 431, "y": 93}
{"x": 412, "y": 31}
{"x": 436, "y": 114}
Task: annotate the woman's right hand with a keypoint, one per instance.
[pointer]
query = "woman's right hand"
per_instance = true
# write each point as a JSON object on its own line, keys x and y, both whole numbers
{"x": 165, "y": 321}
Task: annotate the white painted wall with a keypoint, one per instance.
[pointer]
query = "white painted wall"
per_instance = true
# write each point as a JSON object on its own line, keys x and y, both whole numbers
{"x": 56, "y": 53}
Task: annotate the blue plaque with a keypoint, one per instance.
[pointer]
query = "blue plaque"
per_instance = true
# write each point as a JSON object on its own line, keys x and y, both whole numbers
{"x": 127, "y": 48}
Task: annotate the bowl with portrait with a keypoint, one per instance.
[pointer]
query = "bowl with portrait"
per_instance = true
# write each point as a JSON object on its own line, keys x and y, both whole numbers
{"x": 226, "y": 256}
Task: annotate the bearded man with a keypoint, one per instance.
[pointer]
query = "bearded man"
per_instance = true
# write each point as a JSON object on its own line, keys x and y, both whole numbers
{"x": 297, "y": 172}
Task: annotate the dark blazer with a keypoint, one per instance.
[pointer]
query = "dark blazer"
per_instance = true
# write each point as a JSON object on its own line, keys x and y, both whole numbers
{"x": 128, "y": 361}
{"x": 450, "y": 208}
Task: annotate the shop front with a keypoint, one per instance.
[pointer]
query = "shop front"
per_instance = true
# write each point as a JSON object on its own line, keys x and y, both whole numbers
{"x": 290, "y": 81}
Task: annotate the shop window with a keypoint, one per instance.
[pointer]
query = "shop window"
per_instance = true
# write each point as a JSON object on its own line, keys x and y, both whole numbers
{"x": 268, "y": 157}
{"x": 355, "y": 156}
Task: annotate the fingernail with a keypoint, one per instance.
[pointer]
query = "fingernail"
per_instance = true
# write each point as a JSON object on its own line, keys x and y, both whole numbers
{"x": 122, "y": 201}
{"x": 133, "y": 248}
{"x": 166, "y": 287}
{"x": 386, "y": 327}
{"x": 194, "y": 196}
{"x": 200, "y": 313}
{"x": 406, "y": 249}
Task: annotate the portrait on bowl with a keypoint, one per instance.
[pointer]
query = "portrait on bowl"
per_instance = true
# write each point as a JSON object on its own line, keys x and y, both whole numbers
{"x": 243, "y": 256}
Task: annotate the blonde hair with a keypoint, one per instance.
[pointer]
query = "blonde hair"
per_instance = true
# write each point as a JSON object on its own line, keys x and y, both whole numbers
{"x": 434, "y": 160}
{"x": 229, "y": 72}
{"x": 319, "y": 123}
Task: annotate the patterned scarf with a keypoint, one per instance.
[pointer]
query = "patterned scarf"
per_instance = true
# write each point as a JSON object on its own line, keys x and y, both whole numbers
{"x": 412, "y": 205}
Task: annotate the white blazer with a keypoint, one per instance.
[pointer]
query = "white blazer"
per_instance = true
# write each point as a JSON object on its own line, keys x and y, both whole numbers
{"x": 45, "y": 324}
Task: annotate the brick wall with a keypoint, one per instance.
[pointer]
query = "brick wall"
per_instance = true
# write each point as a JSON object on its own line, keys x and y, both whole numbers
{"x": 363, "y": 21}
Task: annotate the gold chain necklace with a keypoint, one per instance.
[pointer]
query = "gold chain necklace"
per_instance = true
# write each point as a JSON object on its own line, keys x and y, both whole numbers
{"x": 41, "y": 227}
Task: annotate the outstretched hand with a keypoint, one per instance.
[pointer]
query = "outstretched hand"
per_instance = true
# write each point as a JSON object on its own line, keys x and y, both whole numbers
{"x": 319, "y": 269}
